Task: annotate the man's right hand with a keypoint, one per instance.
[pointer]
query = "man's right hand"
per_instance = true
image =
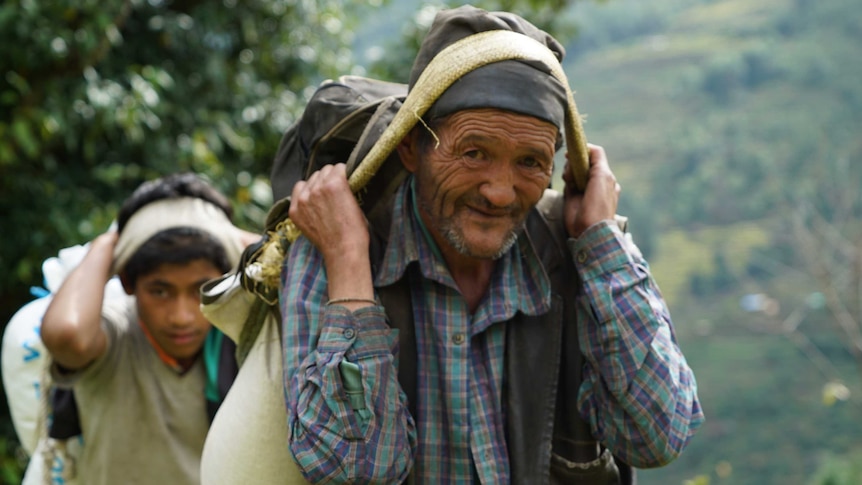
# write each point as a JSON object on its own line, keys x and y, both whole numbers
{"x": 327, "y": 213}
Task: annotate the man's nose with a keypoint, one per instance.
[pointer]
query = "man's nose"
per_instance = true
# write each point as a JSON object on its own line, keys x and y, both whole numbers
{"x": 499, "y": 185}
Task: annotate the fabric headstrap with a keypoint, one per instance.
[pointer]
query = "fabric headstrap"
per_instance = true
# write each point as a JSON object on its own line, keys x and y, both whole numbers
{"x": 171, "y": 213}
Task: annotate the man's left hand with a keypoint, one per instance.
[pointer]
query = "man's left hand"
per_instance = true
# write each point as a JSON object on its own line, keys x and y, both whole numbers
{"x": 598, "y": 202}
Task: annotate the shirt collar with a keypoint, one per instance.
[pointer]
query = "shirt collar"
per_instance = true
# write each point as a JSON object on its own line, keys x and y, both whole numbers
{"x": 519, "y": 283}
{"x": 163, "y": 356}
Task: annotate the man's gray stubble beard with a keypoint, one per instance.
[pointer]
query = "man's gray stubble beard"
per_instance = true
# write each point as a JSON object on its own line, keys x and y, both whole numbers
{"x": 456, "y": 239}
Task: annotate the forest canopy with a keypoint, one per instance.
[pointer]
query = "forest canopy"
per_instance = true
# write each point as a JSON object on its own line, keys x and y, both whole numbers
{"x": 733, "y": 127}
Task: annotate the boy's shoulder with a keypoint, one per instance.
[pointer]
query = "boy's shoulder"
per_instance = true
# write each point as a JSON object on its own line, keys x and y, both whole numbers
{"x": 120, "y": 324}
{"x": 119, "y": 316}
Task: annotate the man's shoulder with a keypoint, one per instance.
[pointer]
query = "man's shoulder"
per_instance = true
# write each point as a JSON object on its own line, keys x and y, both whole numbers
{"x": 550, "y": 206}
{"x": 546, "y": 218}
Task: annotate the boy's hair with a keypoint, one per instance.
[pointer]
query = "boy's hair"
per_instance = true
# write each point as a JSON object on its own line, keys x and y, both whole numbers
{"x": 178, "y": 245}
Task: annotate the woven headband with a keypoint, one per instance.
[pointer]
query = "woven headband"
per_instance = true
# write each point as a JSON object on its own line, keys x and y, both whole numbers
{"x": 170, "y": 213}
{"x": 445, "y": 68}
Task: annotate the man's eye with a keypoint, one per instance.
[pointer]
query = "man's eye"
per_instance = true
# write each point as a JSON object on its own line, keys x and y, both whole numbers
{"x": 159, "y": 292}
{"x": 536, "y": 162}
{"x": 475, "y": 154}
{"x": 531, "y": 162}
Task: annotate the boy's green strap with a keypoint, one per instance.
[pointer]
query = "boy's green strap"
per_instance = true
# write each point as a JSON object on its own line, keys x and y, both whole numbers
{"x": 212, "y": 351}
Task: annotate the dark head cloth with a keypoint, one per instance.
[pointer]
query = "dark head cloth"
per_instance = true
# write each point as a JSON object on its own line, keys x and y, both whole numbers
{"x": 520, "y": 86}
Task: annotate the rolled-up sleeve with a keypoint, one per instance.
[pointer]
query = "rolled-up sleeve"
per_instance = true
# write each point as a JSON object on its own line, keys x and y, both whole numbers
{"x": 347, "y": 415}
{"x": 638, "y": 394}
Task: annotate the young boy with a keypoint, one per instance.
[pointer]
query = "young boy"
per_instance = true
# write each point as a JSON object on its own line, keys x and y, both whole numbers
{"x": 139, "y": 364}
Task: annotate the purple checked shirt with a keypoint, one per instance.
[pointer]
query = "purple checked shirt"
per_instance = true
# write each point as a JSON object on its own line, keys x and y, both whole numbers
{"x": 348, "y": 417}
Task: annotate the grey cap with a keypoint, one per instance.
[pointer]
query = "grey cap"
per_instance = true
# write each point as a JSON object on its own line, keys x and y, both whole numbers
{"x": 522, "y": 87}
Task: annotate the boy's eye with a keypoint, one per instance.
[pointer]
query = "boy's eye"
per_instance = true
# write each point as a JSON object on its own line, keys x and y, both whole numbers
{"x": 159, "y": 292}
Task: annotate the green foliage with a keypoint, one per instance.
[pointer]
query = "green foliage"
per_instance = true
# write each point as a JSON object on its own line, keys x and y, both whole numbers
{"x": 698, "y": 480}
{"x": 11, "y": 467}
{"x": 400, "y": 50}
{"x": 730, "y": 122}
{"x": 99, "y": 96}
{"x": 727, "y": 99}
{"x": 839, "y": 470}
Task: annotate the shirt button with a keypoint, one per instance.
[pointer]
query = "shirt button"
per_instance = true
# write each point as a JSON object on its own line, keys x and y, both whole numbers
{"x": 582, "y": 256}
{"x": 349, "y": 333}
{"x": 458, "y": 338}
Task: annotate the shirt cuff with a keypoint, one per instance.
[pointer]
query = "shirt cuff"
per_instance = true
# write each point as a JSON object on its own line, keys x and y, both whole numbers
{"x": 359, "y": 334}
{"x": 600, "y": 249}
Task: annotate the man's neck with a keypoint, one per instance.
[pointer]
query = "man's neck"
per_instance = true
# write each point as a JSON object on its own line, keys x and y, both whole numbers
{"x": 471, "y": 275}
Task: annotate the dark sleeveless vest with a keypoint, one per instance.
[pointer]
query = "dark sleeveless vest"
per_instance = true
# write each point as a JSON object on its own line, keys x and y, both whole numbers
{"x": 548, "y": 442}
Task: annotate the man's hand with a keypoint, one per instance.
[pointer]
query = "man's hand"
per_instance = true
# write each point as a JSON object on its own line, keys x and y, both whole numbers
{"x": 595, "y": 204}
{"x": 326, "y": 211}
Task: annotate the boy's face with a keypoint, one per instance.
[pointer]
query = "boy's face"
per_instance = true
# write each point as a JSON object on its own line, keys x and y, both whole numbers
{"x": 168, "y": 300}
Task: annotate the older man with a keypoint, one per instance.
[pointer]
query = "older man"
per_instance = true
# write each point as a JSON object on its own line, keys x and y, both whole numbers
{"x": 539, "y": 346}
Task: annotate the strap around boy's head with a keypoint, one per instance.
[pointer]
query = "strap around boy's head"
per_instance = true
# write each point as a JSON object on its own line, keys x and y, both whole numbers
{"x": 171, "y": 213}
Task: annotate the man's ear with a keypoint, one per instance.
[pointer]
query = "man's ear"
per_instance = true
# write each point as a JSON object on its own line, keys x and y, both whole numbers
{"x": 407, "y": 152}
{"x": 127, "y": 285}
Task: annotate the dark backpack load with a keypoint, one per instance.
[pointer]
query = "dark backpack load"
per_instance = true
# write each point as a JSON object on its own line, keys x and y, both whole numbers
{"x": 340, "y": 123}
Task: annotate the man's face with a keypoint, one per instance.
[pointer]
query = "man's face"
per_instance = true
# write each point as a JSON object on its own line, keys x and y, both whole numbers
{"x": 475, "y": 188}
{"x": 168, "y": 302}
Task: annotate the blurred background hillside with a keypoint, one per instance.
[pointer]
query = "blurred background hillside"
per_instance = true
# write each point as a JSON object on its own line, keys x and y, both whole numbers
{"x": 735, "y": 128}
